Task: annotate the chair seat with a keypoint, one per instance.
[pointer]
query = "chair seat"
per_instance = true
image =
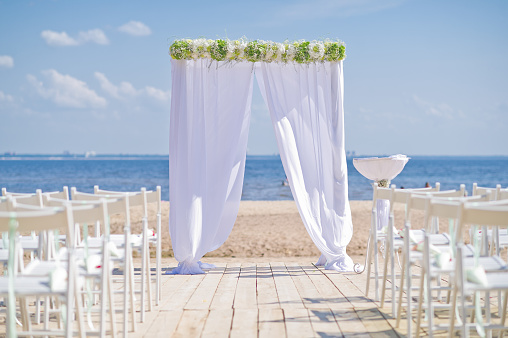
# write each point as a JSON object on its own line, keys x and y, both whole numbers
{"x": 42, "y": 268}
{"x": 28, "y": 243}
{"x": 118, "y": 239}
{"x": 28, "y": 286}
{"x": 495, "y": 281}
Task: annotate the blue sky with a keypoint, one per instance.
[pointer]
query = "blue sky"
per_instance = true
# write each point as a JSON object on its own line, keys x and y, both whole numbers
{"x": 421, "y": 77}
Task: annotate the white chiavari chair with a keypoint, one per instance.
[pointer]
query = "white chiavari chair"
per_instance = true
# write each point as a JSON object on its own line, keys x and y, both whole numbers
{"x": 95, "y": 259}
{"x": 396, "y": 241}
{"x": 154, "y": 237}
{"x": 382, "y": 236}
{"x": 436, "y": 259}
{"x": 61, "y": 282}
{"x": 474, "y": 280}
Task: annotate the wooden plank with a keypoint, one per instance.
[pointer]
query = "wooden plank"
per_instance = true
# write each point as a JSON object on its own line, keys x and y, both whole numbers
{"x": 245, "y": 323}
{"x": 298, "y": 323}
{"x": 310, "y": 296}
{"x": 349, "y": 323}
{"x": 353, "y": 295}
{"x": 191, "y": 323}
{"x": 218, "y": 323}
{"x": 331, "y": 295}
{"x": 271, "y": 323}
{"x": 324, "y": 323}
{"x": 171, "y": 285}
{"x": 286, "y": 290}
{"x": 375, "y": 323}
{"x": 245, "y": 295}
{"x": 266, "y": 291}
{"x": 202, "y": 297}
{"x": 164, "y": 325}
{"x": 183, "y": 294}
{"x": 373, "y": 318}
{"x": 225, "y": 294}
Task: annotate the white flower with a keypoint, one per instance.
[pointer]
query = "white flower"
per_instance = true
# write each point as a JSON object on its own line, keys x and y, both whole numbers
{"x": 316, "y": 50}
{"x": 269, "y": 51}
{"x": 280, "y": 50}
{"x": 240, "y": 46}
{"x": 230, "y": 53}
{"x": 290, "y": 52}
{"x": 270, "y": 46}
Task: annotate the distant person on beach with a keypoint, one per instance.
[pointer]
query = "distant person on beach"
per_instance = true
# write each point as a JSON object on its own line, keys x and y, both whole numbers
{"x": 285, "y": 182}
{"x": 427, "y": 185}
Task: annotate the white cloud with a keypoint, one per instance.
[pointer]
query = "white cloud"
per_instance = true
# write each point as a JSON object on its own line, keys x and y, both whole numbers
{"x": 66, "y": 91}
{"x": 58, "y": 39}
{"x": 442, "y": 110}
{"x": 6, "y": 61}
{"x": 53, "y": 38}
{"x": 94, "y": 35}
{"x": 5, "y": 97}
{"x": 126, "y": 90}
{"x": 332, "y": 8}
{"x": 157, "y": 93}
{"x": 106, "y": 85}
{"x": 135, "y": 28}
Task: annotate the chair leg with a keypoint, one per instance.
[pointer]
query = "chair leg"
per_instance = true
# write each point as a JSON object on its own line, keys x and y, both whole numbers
{"x": 25, "y": 317}
{"x": 368, "y": 262}
{"x": 148, "y": 269}
{"x": 143, "y": 274}
{"x": 420, "y": 305}
{"x": 149, "y": 278}
{"x": 408, "y": 281}
{"x": 385, "y": 274}
{"x": 401, "y": 291}
{"x": 428, "y": 284}
{"x": 503, "y": 309}
{"x": 392, "y": 266}
{"x": 112, "y": 309}
{"x": 38, "y": 310}
{"x": 158, "y": 295}
{"x": 451, "y": 327}
{"x": 132, "y": 290}
{"x": 46, "y": 313}
{"x": 79, "y": 315}
{"x": 430, "y": 308}
{"x": 102, "y": 326}
{"x": 126, "y": 286}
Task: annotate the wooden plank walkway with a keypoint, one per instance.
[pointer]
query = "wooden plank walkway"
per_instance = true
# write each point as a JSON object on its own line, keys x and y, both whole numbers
{"x": 266, "y": 299}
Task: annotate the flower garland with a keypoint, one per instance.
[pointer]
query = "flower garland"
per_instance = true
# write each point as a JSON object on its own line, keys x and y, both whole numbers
{"x": 258, "y": 50}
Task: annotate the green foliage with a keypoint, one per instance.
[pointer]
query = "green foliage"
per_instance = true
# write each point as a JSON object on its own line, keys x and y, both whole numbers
{"x": 259, "y": 51}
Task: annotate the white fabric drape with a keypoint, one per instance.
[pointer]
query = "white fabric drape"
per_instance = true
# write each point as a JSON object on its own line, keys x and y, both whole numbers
{"x": 377, "y": 169}
{"x": 210, "y": 116}
{"x": 306, "y": 106}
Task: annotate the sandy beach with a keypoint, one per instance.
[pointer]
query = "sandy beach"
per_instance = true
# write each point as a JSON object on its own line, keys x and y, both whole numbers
{"x": 272, "y": 229}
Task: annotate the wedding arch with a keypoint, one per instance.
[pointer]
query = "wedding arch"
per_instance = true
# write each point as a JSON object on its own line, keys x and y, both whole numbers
{"x": 302, "y": 85}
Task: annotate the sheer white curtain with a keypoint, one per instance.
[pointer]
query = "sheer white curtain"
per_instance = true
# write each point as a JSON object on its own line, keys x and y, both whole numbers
{"x": 306, "y": 106}
{"x": 210, "y": 115}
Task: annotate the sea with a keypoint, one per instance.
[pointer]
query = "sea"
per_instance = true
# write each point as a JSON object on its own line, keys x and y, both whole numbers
{"x": 264, "y": 175}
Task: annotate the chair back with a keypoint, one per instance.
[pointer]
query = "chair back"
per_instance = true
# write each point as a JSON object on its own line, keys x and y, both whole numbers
{"x": 494, "y": 215}
{"x": 494, "y": 192}
{"x": 502, "y": 194}
{"x": 54, "y": 218}
{"x": 29, "y": 199}
{"x": 142, "y": 197}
